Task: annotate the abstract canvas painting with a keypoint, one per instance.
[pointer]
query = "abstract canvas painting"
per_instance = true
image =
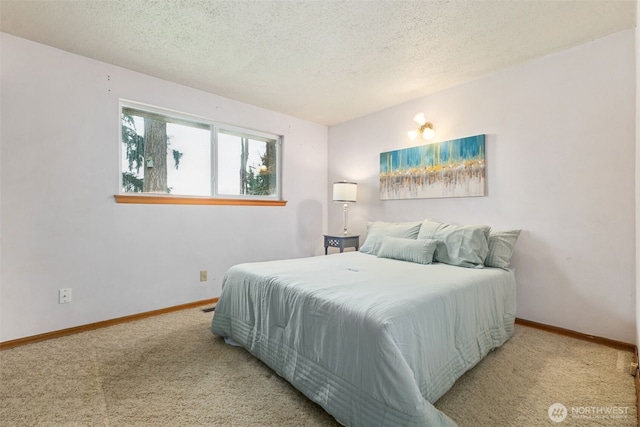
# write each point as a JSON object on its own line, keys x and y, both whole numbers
{"x": 453, "y": 168}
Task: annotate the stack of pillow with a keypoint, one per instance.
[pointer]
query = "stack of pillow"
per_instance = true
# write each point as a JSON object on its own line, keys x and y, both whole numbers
{"x": 474, "y": 246}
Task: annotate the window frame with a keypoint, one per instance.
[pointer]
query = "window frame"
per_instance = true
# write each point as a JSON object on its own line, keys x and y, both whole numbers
{"x": 215, "y": 198}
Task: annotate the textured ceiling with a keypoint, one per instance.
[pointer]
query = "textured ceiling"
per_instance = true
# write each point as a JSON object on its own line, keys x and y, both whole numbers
{"x": 324, "y": 61}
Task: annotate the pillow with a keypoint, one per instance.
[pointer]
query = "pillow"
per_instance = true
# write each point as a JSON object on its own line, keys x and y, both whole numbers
{"x": 377, "y": 231}
{"x": 461, "y": 245}
{"x": 418, "y": 251}
{"x": 501, "y": 243}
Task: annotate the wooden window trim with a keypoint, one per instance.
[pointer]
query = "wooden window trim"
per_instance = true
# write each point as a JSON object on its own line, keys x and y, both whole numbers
{"x": 179, "y": 200}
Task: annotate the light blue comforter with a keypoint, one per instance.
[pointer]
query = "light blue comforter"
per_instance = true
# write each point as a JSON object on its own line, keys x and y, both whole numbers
{"x": 374, "y": 341}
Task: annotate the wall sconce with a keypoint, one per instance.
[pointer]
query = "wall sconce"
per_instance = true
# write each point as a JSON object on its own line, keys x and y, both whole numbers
{"x": 345, "y": 192}
{"x": 425, "y": 130}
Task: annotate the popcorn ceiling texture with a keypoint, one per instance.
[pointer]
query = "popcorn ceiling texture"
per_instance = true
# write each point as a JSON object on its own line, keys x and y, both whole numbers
{"x": 324, "y": 61}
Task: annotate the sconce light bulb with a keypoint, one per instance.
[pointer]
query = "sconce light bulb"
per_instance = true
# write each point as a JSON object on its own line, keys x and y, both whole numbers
{"x": 420, "y": 119}
{"x": 428, "y": 132}
{"x": 413, "y": 134}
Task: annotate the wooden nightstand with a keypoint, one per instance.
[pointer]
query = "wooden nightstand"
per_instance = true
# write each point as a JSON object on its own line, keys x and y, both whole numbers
{"x": 341, "y": 242}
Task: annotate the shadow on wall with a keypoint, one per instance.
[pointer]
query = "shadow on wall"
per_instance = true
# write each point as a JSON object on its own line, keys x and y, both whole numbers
{"x": 309, "y": 227}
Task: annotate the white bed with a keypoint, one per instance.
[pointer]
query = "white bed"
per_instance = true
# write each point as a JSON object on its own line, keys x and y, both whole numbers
{"x": 373, "y": 340}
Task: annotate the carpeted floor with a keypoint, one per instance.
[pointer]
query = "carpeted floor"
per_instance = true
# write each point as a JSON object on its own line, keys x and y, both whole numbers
{"x": 170, "y": 370}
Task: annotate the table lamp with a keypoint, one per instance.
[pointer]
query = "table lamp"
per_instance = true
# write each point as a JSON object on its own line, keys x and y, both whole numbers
{"x": 345, "y": 192}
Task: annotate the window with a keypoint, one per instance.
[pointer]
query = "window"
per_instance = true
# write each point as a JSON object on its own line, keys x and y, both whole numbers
{"x": 172, "y": 154}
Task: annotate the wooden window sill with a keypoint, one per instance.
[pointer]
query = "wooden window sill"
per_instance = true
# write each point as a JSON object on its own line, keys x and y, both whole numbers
{"x": 178, "y": 200}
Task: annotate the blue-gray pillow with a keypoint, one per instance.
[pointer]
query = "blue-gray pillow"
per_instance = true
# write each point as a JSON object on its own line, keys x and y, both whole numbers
{"x": 462, "y": 245}
{"x": 501, "y": 243}
{"x": 418, "y": 251}
{"x": 377, "y": 231}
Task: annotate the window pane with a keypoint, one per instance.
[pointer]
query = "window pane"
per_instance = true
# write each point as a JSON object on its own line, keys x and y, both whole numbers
{"x": 172, "y": 153}
{"x": 192, "y": 174}
{"x": 163, "y": 155}
{"x": 246, "y": 164}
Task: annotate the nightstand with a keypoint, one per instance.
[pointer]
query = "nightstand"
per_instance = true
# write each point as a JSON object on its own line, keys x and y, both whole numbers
{"x": 341, "y": 242}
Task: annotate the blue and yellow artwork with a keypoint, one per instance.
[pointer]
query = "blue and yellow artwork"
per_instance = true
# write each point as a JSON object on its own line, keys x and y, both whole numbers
{"x": 453, "y": 168}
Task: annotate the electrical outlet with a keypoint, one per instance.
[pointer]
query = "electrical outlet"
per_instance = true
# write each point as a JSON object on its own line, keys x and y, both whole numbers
{"x": 64, "y": 295}
{"x": 203, "y": 275}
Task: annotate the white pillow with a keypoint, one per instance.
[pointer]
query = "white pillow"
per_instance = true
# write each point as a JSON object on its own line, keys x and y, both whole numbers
{"x": 462, "y": 245}
{"x": 501, "y": 243}
{"x": 377, "y": 231}
{"x": 418, "y": 251}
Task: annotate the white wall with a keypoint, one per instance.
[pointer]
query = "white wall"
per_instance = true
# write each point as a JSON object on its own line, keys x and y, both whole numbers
{"x": 61, "y": 227}
{"x": 560, "y": 165}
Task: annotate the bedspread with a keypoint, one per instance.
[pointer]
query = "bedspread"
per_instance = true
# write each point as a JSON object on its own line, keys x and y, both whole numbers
{"x": 373, "y": 341}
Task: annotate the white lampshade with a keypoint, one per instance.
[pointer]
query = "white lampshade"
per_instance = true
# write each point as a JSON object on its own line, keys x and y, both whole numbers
{"x": 420, "y": 119}
{"x": 345, "y": 192}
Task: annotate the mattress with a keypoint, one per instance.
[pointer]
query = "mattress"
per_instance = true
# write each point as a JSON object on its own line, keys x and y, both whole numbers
{"x": 374, "y": 341}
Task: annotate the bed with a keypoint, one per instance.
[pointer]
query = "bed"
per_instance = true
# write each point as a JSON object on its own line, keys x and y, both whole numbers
{"x": 374, "y": 340}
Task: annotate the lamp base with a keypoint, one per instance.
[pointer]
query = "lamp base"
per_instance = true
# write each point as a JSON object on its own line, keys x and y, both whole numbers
{"x": 345, "y": 209}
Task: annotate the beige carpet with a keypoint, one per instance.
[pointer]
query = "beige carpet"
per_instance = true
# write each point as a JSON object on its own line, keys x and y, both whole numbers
{"x": 170, "y": 371}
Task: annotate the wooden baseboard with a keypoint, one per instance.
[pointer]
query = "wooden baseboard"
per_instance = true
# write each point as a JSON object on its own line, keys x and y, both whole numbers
{"x": 91, "y": 326}
{"x": 620, "y": 345}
